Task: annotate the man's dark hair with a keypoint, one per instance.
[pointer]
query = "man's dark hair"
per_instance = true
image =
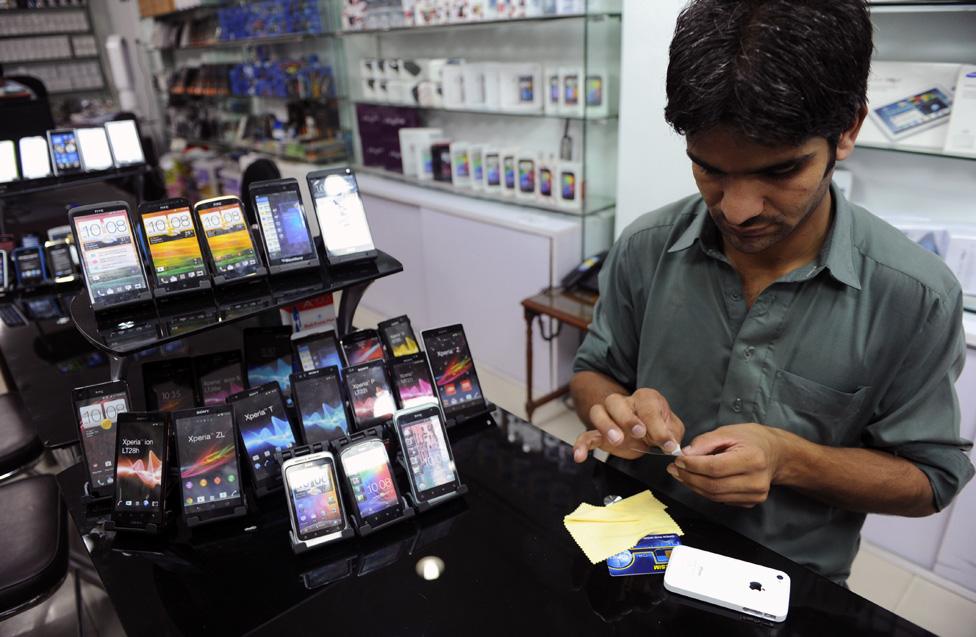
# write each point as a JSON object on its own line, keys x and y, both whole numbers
{"x": 777, "y": 71}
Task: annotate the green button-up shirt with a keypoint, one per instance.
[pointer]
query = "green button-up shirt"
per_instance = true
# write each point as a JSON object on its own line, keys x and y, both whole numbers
{"x": 860, "y": 348}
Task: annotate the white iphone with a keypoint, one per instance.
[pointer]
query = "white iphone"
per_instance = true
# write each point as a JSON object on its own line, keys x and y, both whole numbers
{"x": 728, "y": 582}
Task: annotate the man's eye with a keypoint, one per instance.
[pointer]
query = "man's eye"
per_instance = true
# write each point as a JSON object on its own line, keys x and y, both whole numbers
{"x": 783, "y": 172}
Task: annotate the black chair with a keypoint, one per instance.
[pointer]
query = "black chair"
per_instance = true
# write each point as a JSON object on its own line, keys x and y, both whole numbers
{"x": 19, "y": 444}
{"x": 258, "y": 170}
{"x": 34, "y": 550}
{"x": 24, "y": 118}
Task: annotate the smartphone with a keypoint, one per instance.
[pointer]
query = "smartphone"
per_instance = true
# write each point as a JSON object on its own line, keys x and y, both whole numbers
{"x": 35, "y": 162}
{"x": 95, "y": 151}
{"x": 398, "y": 336}
{"x": 29, "y": 266}
{"x": 369, "y": 480}
{"x": 64, "y": 151}
{"x": 110, "y": 260}
{"x": 412, "y": 383}
{"x": 123, "y": 138}
{"x": 42, "y": 307}
{"x": 361, "y": 347}
{"x": 97, "y": 408}
{"x": 426, "y": 452}
{"x": 218, "y": 376}
{"x": 370, "y": 394}
{"x": 728, "y": 582}
{"x": 267, "y": 356}
{"x": 320, "y": 404}
{"x": 60, "y": 267}
{"x": 314, "y": 503}
{"x": 545, "y": 182}
{"x": 8, "y": 162}
{"x": 264, "y": 428}
{"x": 210, "y": 473}
{"x": 454, "y": 374}
{"x": 5, "y": 282}
{"x": 317, "y": 351}
{"x": 227, "y": 238}
{"x": 169, "y": 384}
{"x": 140, "y": 470}
{"x": 175, "y": 257}
{"x": 341, "y": 216}
{"x": 284, "y": 227}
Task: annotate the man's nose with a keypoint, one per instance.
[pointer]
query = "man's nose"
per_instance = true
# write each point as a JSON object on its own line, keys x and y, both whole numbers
{"x": 742, "y": 199}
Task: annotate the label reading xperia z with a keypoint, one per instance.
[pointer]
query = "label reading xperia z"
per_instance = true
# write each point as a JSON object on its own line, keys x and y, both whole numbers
{"x": 315, "y": 498}
{"x": 412, "y": 381}
{"x": 284, "y": 228}
{"x": 453, "y": 368}
{"x": 427, "y": 455}
{"x": 263, "y": 423}
{"x": 318, "y": 351}
{"x": 320, "y": 404}
{"x": 64, "y": 151}
{"x": 399, "y": 337}
{"x": 361, "y": 347}
{"x": 370, "y": 394}
{"x": 108, "y": 252}
{"x": 97, "y": 417}
{"x": 228, "y": 239}
{"x": 139, "y": 474}
{"x": 174, "y": 248}
{"x": 209, "y": 474}
{"x": 218, "y": 376}
{"x": 367, "y": 469}
{"x": 341, "y": 216}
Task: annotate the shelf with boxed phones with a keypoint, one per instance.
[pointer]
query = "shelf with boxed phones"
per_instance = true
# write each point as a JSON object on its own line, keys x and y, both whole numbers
{"x": 485, "y": 111}
{"x": 492, "y": 23}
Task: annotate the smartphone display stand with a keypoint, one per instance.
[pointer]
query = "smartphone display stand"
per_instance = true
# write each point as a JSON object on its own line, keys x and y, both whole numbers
{"x": 301, "y": 546}
{"x": 422, "y": 507}
{"x": 481, "y": 414}
{"x": 363, "y": 528}
{"x": 95, "y": 506}
{"x": 194, "y": 520}
{"x": 150, "y": 529}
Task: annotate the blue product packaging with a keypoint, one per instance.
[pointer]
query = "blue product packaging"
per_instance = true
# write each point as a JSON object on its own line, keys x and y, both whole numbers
{"x": 650, "y": 555}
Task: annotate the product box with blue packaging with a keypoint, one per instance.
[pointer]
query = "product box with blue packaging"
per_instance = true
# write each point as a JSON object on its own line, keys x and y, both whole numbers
{"x": 650, "y": 555}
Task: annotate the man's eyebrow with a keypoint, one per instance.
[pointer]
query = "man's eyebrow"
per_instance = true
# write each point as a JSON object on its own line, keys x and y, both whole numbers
{"x": 782, "y": 165}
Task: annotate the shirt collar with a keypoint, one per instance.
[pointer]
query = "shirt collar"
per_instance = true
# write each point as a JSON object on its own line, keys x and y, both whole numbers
{"x": 837, "y": 254}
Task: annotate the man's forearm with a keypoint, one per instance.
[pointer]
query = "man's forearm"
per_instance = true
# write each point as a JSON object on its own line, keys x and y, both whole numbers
{"x": 862, "y": 480}
{"x": 592, "y": 388}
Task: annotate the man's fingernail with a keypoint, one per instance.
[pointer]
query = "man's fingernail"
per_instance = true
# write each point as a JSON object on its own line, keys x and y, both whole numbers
{"x": 579, "y": 455}
{"x": 638, "y": 431}
{"x": 674, "y": 473}
{"x": 680, "y": 463}
{"x": 615, "y": 436}
{"x": 670, "y": 446}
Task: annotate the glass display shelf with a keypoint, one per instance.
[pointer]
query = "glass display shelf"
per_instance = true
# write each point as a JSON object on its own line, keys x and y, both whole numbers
{"x": 227, "y": 98}
{"x": 78, "y": 7}
{"x": 474, "y": 111}
{"x": 476, "y": 24}
{"x": 77, "y": 58}
{"x": 591, "y": 205}
{"x": 278, "y": 153}
{"x": 11, "y": 36}
{"x": 29, "y": 186}
{"x": 244, "y": 43}
{"x": 78, "y": 91}
{"x": 914, "y": 6}
{"x": 128, "y": 330}
{"x": 913, "y": 151}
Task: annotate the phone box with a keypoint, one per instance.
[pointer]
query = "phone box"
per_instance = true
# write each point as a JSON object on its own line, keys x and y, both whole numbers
{"x": 473, "y": 77}
{"x": 961, "y": 136}
{"x": 526, "y": 168}
{"x": 571, "y": 84}
{"x": 452, "y": 84}
{"x": 397, "y": 92}
{"x": 440, "y": 161}
{"x": 479, "y": 10}
{"x": 409, "y": 8}
{"x": 521, "y": 87}
{"x": 596, "y": 94}
{"x": 460, "y": 11}
{"x": 569, "y": 185}
{"x": 546, "y": 181}
{"x": 490, "y": 72}
{"x": 430, "y": 94}
{"x": 415, "y": 151}
{"x": 570, "y": 7}
{"x": 476, "y": 154}
{"x": 509, "y": 170}
{"x": 367, "y": 68}
{"x": 492, "y": 170}
{"x": 460, "y": 165}
{"x": 552, "y": 102}
{"x": 650, "y": 555}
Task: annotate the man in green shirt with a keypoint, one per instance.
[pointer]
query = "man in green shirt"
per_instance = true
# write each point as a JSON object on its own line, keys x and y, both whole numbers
{"x": 800, "y": 352}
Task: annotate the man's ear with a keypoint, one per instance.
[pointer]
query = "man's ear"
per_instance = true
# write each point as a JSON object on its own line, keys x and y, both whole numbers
{"x": 845, "y": 143}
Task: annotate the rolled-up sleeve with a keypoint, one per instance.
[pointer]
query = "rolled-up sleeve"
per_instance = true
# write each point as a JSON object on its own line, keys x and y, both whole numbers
{"x": 611, "y": 344}
{"x": 918, "y": 417}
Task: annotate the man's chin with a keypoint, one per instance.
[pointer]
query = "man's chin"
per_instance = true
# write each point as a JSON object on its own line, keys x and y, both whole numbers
{"x": 754, "y": 245}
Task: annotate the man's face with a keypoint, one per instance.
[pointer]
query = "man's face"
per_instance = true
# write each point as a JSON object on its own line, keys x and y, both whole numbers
{"x": 758, "y": 195}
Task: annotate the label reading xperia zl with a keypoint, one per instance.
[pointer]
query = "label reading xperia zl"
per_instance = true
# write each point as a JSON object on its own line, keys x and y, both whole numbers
{"x": 208, "y": 461}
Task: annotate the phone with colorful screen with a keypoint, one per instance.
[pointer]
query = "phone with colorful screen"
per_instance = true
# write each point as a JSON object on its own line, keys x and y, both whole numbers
{"x": 264, "y": 429}
{"x": 169, "y": 384}
{"x": 314, "y": 503}
{"x": 110, "y": 260}
{"x": 210, "y": 473}
{"x": 97, "y": 408}
{"x": 140, "y": 471}
{"x": 284, "y": 228}
{"x": 175, "y": 257}
{"x": 317, "y": 351}
{"x": 412, "y": 382}
{"x": 426, "y": 452}
{"x": 321, "y": 405}
{"x": 229, "y": 246}
{"x": 268, "y": 357}
{"x": 455, "y": 377}
{"x": 370, "y": 394}
{"x": 361, "y": 347}
{"x": 370, "y": 482}
{"x": 398, "y": 336}
{"x": 64, "y": 151}
{"x": 218, "y": 376}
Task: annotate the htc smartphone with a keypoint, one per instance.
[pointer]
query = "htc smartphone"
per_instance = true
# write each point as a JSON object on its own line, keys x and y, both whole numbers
{"x": 60, "y": 267}
{"x": 267, "y": 355}
{"x": 284, "y": 228}
{"x": 341, "y": 216}
{"x": 110, "y": 259}
{"x": 64, "y": 151}
{"x": 361, "y": 347}
{"x": 316, "y": 351}
{"x": 427, "y": 452}
{"x": 35, "y": 160}
{"x": 218, "y": 376}
{"x": 123, "y": 137}
{"x": 370, "y": 394}
{"x": 140, "y": 471}
{"x": 169, "y": 384}
{"x": 370, "y": 482}
{"x": 314, "y": 503}
{"x": 97, "y": 408}
{"x": 175, "y": 257}
{"x": 29, "y": 266}
{"x": 229, "y": 246}
{"x": 412, "y": 382}
{"x": 320, "y": 403}
{"x": 398, "y": 337}
{"x": 263, "y": 426}
{"x": 95, "y": 152}
{"x": 455, "y": 377}
{"x": 210, "y": 474}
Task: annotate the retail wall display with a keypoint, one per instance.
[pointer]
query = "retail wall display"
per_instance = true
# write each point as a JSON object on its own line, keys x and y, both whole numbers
{"x": 269, "y": 18}
{"x": 28, "y": 22}
{"x": 395, "y": 14}
{"x": 304, "y": 78}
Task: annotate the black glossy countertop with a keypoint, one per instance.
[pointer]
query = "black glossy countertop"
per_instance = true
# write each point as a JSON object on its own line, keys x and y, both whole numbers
{"x": 511, "y": 567}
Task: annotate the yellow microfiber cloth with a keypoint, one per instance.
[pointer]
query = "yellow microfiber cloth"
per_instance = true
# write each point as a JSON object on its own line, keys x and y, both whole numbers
{"x": 605, "y": 531}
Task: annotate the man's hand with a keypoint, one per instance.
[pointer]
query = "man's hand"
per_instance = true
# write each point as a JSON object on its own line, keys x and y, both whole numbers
{"x": 629, "y": 426}
{"x": 735, "y": 464}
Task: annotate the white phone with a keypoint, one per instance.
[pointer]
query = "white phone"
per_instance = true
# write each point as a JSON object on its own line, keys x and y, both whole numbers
{"x": 728, "y": 582}
{"x": 35, "y": 161}
{"x": 8, "y": 161}
{"x": 95, "y": 152}
{"x": 123, "y": 137}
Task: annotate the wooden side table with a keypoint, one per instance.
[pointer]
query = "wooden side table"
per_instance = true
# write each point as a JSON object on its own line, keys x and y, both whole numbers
{"x": 568, "y": 308}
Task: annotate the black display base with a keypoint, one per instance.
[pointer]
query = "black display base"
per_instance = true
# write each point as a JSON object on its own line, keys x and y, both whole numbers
{"x": 480, "y": 415}
{"x": 221, "y": 280}
{"x": 365, "y": 529}
{"x": 95, "y": 506}
{"x": 195, "y": 521}
{"x": 149, "y": 529}
{"x": 164, "y": 294}
{"x": 422, "y": 507}
{"x": 303, "y": 546}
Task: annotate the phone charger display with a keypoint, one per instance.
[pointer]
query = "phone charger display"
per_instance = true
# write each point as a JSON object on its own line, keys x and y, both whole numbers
{"x": 382, "y": 90}
{"x": 440, "y": 158}
{"x": 414, "y": 70}
{"x": 391, "y": 69}
{"x": 415, "y": 151}
{"x": 596, "y": 95}
{"x": 397, "y": 92}
{"x": 474, "y": 86}
{"x": 521, "y": 88}
{"x": 368, "y": 86}
{"x": 460, "y": 165}
{"x": 476, "y": 159}
{"x": 526, "y": 167}
{"x": 552, "y": 101}
{"x": 571, "y": 98}
{"x": 452, "y": 83}
{"x": 569, "y": 185}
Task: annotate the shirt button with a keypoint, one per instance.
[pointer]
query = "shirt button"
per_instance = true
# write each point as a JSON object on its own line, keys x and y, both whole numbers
{"x": 735, "y": 296}
{"x": 737, "y": 405}
{"x": 749, "y": 351}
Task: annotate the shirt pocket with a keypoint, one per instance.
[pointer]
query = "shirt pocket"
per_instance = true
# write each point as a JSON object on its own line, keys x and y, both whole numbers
{"x": 815, "y": 411}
